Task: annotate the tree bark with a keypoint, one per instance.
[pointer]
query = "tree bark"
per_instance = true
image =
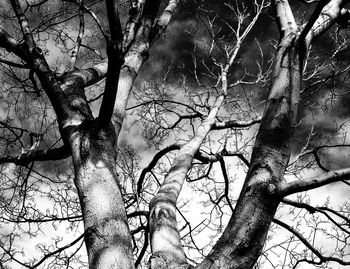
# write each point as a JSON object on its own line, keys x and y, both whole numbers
{"x": 243, "y": 239}
{"x": 107, "y": 235}
{"x": 167, "y": 251}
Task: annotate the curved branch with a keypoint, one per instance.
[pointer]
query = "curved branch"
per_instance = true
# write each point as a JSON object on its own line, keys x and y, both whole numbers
{"x": 86, "y": 77}
{"x": 321, "y": 210}
{"x": 227, "y": 182}
{"x": 45, "y": 256}
{"x": 152, "y": 164}
{"x": 310, "y": 246}
{"x": 58, "y": 251}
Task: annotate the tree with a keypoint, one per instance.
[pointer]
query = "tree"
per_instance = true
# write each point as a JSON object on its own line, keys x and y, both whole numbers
{"x": 75, "y": 107}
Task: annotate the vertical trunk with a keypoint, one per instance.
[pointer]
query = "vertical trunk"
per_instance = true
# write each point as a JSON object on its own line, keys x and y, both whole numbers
{"x": 107, "y": 234}
{"x": 244, "y": 237}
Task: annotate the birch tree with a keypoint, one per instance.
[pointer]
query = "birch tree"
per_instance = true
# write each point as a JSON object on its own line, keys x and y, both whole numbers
{"x": 127, "y": 220}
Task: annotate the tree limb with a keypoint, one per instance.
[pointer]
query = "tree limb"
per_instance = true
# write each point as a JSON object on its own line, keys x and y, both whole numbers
{"x": 79, "y": 37}
{"x": 284, "y": 17}
{"x": 115, "y": 61}
{"x": 235, "y": 124}
{"x": 320, "y": 210}
{"x": 331, "y": 12}
{"x": 285, "y": 189}
{"x": 310, "y": 246}
{"x": 11, "y": 44}
{"x": 163, "y": 21}
{"x": 38, "y": 155}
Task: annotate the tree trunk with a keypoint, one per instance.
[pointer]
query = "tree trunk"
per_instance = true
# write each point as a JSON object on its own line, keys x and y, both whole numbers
{"x": 107, "y": 235}
{"x": 243, "y": 239}
{"x": 167, "y": 251}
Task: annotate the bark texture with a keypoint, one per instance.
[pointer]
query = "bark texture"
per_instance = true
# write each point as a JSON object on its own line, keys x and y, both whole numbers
{"x": 107, "y": 234}
{"x": 92, "y": 142}
{"x": 243, "y": 239}
{"x": 167, "y": 251}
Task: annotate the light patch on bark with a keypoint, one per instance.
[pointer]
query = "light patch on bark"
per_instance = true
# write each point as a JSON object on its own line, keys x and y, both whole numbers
{"x": 260, "y": 176}
{"x": 71, "y": 123}
{"x": 128, "y": 73}
{"x": 107, "y": 234}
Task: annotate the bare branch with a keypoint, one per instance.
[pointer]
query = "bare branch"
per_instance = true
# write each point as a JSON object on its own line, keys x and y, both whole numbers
{"x": 163, "y": 21}
{"x": 58, "y": 251}
{"x": 11, "y": 45}
{"x": 321, "y": 210}
{"x": 152, "y": 164}
{"x": 319, "y": 255}
{"x": 115, "y": 61}
{"x": 38, "y": 155}
{"x": 313, "y": 18}
{"x": 87, "y": 77}
{"x": 329, "y": 15}
{"x": 235, "y": 124}
{"x": 284, "y": 16}
{"x": 163, "y": 205}
{"x": 13, "y": 64}
{"x": 28, "y": 38}
{"x": 227, "y": 182}
{"x": 79, "y": 37}
{"x": 285, "y": 189}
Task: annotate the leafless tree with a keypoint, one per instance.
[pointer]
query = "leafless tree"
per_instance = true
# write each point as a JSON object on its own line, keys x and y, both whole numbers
{"x": 79, "y": 111}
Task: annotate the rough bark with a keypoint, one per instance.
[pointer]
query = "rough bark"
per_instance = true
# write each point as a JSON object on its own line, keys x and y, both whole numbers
{"x": 107, "y": 234}
{"x": 92, "y": 145}
{"x": 244, "y": 237}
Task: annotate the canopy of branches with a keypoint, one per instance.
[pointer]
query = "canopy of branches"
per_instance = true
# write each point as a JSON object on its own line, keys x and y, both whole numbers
{"x": 174, "y": 134}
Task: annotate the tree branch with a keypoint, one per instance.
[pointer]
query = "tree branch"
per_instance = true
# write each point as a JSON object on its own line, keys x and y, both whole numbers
{"x": 58, "y": 251}
{"x": 79, "y": 37}
{"x": 166, "y": 244}
{"x": 227, "y": 183}
{"x": 163, "y": 21}
{"x": 87, "y": 77}
{"x": 320, "y": 210}
{"x": 285, "y": 189}
{"x": 284, "y": 17}
{"x": 235, "y": 124}
{"x": 38, "y": 155}
{"x": 153, "y": 163}
{"x": 314, "y": 16}
{"x": 11, "y": 45}
{"x": 115, "y": 61}
{"x": 34, "y": 56}
{"x": 28, "y": 38}
{"x": 310, "y": 246}
{"x": 329, "y": 15}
